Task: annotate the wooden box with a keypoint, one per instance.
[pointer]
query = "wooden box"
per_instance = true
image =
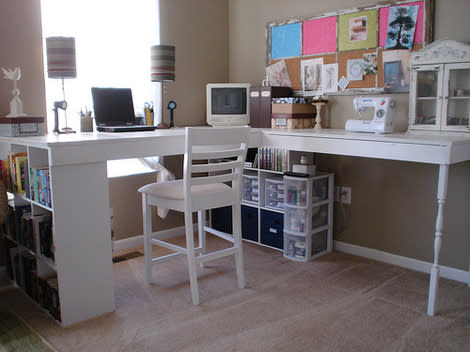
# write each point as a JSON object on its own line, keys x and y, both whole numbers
{"x": 292, "y": 121}
{"x": 293, "y": 108}
{"x": 22, "y": 126}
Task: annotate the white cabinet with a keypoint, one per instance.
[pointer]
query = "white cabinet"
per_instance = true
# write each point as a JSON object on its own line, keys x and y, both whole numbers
{"x": 440, "y": 88}
{"x": 308, "y": 216}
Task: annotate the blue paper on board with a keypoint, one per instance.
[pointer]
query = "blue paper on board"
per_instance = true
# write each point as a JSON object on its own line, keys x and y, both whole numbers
{"x": 286, "y": 40}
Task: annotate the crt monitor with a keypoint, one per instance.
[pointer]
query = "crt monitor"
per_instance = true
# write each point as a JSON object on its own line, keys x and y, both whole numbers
{"x": 228, "y": 104}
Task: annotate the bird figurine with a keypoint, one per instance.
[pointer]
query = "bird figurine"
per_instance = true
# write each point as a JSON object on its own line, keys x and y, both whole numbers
{"x": 16, "y": 105}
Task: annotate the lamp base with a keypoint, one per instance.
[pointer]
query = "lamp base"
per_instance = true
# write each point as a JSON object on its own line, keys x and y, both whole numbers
{"x": 67, "y": 130}
{"x": 162, "y": 126}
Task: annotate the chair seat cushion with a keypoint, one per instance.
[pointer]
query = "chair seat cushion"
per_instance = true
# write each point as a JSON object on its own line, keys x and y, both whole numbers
{"x": 175, "y": 189}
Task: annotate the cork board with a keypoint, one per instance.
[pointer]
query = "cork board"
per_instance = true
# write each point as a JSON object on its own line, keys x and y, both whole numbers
{"x": 371, "y": 26}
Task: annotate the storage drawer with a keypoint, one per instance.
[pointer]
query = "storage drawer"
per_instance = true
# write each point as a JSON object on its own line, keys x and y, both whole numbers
{"x": 250, "y": 191}
{"x": 272, "y": 225}
{"x": 319, "y": 242}
{"x": 304, "y": 248}
{"x": 274, "y": 193}
{"x": 296, "y": 189}
{"x": 320, "y": 189}
{"x": 250, "y": 223}
{"x": 305, "y": 220}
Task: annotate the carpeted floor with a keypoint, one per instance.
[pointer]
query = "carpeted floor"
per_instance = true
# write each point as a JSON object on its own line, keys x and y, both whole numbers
{"x": 338, "y": 302}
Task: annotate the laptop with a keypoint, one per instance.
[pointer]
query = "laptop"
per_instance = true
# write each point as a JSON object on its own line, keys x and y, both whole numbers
{"x": 114, "y": 110}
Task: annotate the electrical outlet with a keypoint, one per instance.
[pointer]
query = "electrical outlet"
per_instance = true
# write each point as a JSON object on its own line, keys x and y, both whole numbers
{"x": 345, "y": 195}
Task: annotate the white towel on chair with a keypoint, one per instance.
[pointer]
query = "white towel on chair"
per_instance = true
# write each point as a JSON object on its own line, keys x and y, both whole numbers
{"x": 163, "y": 175}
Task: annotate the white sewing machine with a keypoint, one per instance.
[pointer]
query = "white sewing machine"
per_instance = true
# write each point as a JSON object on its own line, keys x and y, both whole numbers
{"x": 382, "y": 120}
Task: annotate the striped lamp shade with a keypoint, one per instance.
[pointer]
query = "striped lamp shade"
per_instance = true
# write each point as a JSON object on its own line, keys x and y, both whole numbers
{"x": 162, "y": 63}
{"x": 61, "y": 62}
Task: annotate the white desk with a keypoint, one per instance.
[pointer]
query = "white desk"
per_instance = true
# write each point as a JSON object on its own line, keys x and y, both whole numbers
{"x": 81, "y": 200}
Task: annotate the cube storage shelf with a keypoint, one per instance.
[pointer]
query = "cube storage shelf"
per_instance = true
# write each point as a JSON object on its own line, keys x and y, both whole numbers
{"x": 307, "y": 220}
{"x": 28, "y": 230}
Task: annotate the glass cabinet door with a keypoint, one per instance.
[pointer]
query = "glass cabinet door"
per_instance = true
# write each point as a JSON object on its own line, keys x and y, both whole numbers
{"x": 426, "y": 93}
{"x": 457, "y": 97}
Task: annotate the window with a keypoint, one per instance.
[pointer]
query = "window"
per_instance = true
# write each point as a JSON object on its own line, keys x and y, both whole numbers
{"x": 112, "y": 40}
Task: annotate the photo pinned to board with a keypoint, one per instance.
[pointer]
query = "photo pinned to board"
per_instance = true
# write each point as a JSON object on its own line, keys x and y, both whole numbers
{"x": 370, "y": 63}
{"x": 357, "y": 28}
{"x": 311, "y": 76}
{"x": 401, "y": 27}
{"x": 330, "y": 78}
{"x": 278, "y": 75}
{"x": 355, "y": 71}
{"x": 395, "y": 68}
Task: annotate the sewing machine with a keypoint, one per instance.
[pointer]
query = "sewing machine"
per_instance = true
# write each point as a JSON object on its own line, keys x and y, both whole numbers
{"x": 382, "y": 120}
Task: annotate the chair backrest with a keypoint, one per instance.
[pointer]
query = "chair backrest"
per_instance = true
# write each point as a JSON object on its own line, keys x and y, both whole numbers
{"x": 215, "y": 155}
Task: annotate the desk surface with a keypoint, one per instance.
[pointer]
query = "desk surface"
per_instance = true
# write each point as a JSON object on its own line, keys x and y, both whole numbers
{"x": 77, "y": 158}
{"x": 98, "y": 146}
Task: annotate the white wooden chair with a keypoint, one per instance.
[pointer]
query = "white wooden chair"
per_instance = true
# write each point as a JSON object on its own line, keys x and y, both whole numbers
{"x": 213, "y": 181}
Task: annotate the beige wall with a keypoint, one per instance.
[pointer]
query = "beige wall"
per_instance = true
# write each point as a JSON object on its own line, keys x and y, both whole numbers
{"x": 393, "y": 203}
{"x": 199, "y": 30}
{"x": 21, "y": 45}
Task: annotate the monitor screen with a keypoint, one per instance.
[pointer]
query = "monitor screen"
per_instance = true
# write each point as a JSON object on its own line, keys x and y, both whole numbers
{"x": 226, "y": 101}
{"x": 228, "y": 104}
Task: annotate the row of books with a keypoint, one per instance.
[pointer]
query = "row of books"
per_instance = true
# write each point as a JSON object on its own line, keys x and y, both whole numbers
{"x": 34, "y": 232}
{"x": 274, "y": 159}
{"x": 37, "y": 234}
{"x": 31, "y": 182}
{"x": 41, "y": 288}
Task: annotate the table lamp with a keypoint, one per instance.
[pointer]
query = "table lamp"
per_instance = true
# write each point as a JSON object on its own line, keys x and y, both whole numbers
{"x": 61, "y": 63}
{"x": 162, "y": 70}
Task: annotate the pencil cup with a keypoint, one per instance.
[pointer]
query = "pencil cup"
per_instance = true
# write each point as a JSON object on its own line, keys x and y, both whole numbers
{"x": 86, "y": 124}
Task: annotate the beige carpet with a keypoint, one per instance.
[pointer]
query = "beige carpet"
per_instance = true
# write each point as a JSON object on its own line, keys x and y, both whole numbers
{"x": 335, "y": 303}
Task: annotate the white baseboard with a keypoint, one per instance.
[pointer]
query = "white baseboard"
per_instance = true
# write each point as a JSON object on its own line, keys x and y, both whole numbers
{"x": 404, "y": 262}
{"x": 138, "y": 241}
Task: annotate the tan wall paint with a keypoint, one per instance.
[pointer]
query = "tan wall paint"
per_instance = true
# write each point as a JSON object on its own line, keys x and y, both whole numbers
{"x": 21, "y": 45}
{"x": 393, "y": 203}
{"x": 199, "y": 30}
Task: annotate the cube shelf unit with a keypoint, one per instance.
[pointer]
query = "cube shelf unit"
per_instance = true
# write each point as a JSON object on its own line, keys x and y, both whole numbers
{"x": 264, "y": 212}
{"x": 27, "y": 232}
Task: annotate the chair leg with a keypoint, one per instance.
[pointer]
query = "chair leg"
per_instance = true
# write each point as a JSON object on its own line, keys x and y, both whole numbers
{"x": 192, "y": 268}
{"x": 147, "y": 217}
{"x": 201, "y": 221}
{"x": 237, "y": 236}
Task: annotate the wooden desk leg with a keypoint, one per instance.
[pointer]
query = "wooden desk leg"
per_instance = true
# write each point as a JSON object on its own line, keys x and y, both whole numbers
{"x": 441, "y": 199}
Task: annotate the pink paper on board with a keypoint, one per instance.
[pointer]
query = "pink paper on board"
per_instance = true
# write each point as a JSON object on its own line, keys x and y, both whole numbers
{"x": 383, "y": 23}
{"x": 319, "y": 36}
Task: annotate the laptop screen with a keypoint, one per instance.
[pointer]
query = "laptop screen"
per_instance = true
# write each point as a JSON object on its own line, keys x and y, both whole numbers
{"x": 113, "y": 106}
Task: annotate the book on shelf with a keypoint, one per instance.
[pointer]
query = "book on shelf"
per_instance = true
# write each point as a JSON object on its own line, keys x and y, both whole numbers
{"x": 273, "y": 159}
{"x": 40, "y": 185}
{"x": 17, "y": 163}
{"x": 42, "y": 229}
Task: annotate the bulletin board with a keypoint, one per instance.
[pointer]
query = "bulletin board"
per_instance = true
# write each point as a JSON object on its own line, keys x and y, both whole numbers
{"x": 362, "y": 49}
